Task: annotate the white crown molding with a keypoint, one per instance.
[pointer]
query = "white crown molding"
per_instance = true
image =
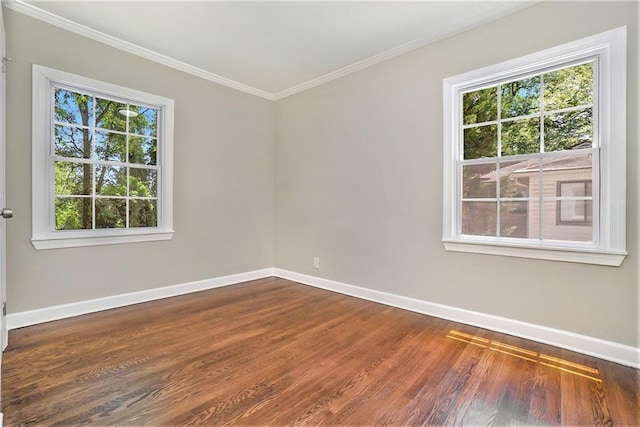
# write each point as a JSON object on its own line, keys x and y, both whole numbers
{"x": 596, "y": 347}
{"x": 57, "y": 312}
{"x": 66, "y": 24}
{"x": 50, "y": 18}
{"x": 466, "y": 25}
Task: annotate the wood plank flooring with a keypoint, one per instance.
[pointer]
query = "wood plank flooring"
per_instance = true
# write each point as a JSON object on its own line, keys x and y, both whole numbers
{"x": 273, "y": 352}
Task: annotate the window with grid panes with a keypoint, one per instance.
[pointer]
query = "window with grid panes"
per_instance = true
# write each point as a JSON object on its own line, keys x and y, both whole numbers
{"x": 521, "y": 137}
{"x": 106, "y": 153}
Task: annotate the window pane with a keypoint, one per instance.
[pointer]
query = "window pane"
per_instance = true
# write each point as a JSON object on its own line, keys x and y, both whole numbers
{"x": 569, "y": 87}
{"x": 481, "y": 142}
{"x": 111, "y": 213}
{"x": 110, "y": 146}
{"x": 72, "y": 142}
{"x": 479, "y": 218}
{"x": 575, "y": 211}
{"x": 574, "y": 189}
{"x": 576, "y": 228}
{"x": 518, "y": 177}
{"x": 108, "y": 115}
{"x": 142, "y": 213}
{"x": 479, "y": 181}
{"x": 480, "y": 106}
{"x": 520, "y": 98}
{"x": 521, "y": 137}
{"x": 73, "y": 107}
{"x": 569, "y": 130}
{"x": 73, "y": 213}
{"x": 111, "y": 180}
{"x": 145, "y": 123}
{"x": 557, "y": 171}
{"x": 142, "y": 182}
{"x": 514, "y": 219}
{"x": 73, "y": 178}
{"x": 143, "y": 150}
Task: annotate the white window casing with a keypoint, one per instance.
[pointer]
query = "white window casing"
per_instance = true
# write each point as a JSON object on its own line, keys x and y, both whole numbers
{"x": 44, "y": 234}
{"x": 608, "y": 50}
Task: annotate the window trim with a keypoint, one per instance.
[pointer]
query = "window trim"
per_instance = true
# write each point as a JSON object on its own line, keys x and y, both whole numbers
{"x": 43, "y": 236}
{"x": 610, "y": 49}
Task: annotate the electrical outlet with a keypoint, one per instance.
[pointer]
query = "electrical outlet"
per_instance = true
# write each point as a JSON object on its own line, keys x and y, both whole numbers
{"x": 316, "y": 262}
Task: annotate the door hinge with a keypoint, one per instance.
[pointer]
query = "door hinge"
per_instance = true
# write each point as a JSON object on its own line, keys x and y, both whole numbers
{"x": 4, "y": 61}
{"x": 4, "y": 308}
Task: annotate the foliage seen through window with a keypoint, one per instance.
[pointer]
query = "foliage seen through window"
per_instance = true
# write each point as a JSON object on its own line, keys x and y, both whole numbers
{"x": 105, "y": 169}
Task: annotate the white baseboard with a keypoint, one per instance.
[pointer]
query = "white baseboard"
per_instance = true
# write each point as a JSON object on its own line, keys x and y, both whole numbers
{"x": 607, "y": 350}
{"x": 614, "y": 352}
{"x": 32, "y": 317}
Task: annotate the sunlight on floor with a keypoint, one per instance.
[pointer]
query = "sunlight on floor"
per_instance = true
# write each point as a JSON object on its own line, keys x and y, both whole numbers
{"x": 532, "y": 356}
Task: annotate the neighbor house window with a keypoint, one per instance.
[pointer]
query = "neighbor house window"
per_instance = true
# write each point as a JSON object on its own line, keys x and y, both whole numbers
{"x": 101, "y": 162}
{"x": 535, "y": 153}
{"x": 575, "y": 203}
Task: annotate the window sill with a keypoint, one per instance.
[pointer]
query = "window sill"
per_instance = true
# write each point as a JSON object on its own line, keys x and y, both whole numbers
{"x": 74, "y": 242}
{"x": 584, "y": 256}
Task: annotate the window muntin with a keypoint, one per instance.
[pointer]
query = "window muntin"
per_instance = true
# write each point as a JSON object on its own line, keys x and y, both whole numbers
{"x": 104, "y": 155}
{"x": 518, "y": 138}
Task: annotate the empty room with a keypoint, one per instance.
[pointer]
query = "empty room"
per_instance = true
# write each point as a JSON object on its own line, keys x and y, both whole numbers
{"x": 319, "y": 213}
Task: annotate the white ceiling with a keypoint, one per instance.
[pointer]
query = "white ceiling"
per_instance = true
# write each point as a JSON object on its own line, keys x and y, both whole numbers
{"x": 271, "y": 49}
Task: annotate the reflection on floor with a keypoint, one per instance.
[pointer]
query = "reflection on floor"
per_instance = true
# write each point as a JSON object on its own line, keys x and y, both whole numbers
{"x": 532, "y": 356}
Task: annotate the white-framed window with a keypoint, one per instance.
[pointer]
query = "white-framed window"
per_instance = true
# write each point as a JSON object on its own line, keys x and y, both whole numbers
{"x": 102, "y": 162}
{"x": 534, "y": 154}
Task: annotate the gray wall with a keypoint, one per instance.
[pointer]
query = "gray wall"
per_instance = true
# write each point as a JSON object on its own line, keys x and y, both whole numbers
{"x": 359, "y": 183}
{"x": 223, "y": 185}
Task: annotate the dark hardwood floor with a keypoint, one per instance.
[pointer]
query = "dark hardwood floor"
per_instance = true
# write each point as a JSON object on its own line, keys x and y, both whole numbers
{"x": 273, "y": 352}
